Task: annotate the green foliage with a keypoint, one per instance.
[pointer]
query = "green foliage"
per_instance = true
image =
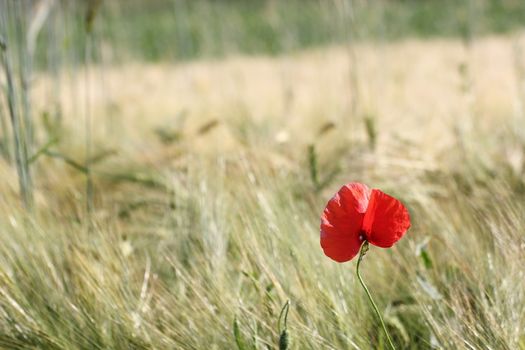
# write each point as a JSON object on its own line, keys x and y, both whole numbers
{"x": 284, "y": 335}
{"x": 182, "y": 29}
{"x": 237, "y": 335}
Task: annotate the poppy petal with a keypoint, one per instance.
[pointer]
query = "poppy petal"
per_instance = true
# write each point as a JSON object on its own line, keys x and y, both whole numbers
{"x": 386, "y": 220}
{"x": 342, "y": 220}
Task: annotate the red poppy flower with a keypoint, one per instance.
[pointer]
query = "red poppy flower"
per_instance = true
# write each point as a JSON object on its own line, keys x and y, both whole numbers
{"x": 357, "y": 213}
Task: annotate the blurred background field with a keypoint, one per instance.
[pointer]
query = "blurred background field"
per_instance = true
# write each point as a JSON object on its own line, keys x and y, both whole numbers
{"x": 165, "y": 165}
{"x": 181, "y": 29}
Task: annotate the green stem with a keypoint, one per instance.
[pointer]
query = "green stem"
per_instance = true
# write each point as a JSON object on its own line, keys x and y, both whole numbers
{"x": 362, "y": 252}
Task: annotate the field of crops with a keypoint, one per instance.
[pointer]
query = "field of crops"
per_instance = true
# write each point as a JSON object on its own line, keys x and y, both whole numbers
{"x": 165, "y": 166}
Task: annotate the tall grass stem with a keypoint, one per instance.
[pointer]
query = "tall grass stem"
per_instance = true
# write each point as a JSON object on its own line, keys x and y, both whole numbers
{"x": 17, "y": 124}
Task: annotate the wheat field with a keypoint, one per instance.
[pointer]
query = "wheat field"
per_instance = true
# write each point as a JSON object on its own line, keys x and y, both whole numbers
{"x": 208, "y": 178}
